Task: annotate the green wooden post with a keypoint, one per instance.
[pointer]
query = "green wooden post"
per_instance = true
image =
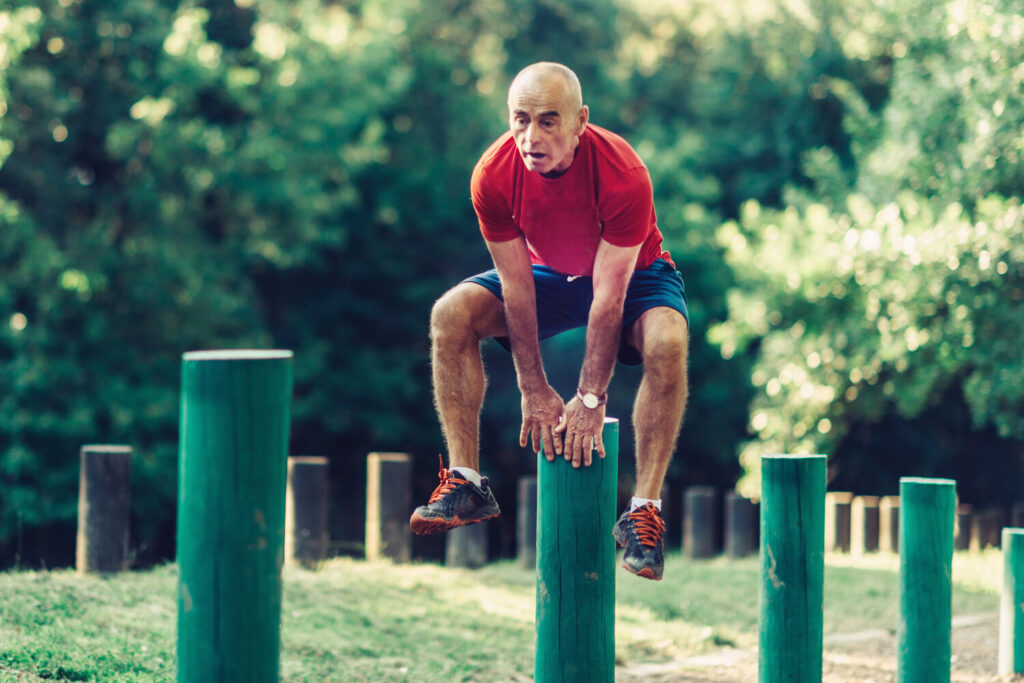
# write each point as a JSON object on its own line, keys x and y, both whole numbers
{"x": 1011, "y": 613}
{"x": 233, "y": 450}
{"x": 926, "y": 586}
{"x": 576, "y": 566}
{"x": 792, "y": 568}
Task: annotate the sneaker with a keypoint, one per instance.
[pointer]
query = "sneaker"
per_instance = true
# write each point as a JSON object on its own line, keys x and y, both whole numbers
{"x": 455, "y": 502}
{"x": 641, "y": 533}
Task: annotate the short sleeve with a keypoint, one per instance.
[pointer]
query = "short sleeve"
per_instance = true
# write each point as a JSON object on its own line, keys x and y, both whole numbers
{"x": 492, "y": 208}
{"x": 626, "y": 209}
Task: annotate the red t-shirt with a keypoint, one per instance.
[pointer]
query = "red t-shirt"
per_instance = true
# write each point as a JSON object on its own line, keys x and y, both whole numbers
{"x": 605, "y": 194}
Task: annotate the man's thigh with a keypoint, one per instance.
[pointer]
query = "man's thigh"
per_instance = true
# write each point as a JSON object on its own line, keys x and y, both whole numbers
{"x": 659, "y": 331}
{"x": 655, "y": 300}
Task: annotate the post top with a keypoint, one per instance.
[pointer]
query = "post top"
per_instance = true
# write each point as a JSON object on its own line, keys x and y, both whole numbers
{"x": 389, "y": 457}
{"x": 927, "y": 480}
{"x": 307, "y": 459}
{"x": 237, "y": 354}
{"x": 106, "y": 448}
{"x": 610, "y": 420}
{"x": 794, "y": 456}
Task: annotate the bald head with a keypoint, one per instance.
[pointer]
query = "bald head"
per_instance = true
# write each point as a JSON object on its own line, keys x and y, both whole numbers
{"x": 547, "y": 116}
{"x": 547, "y": 76}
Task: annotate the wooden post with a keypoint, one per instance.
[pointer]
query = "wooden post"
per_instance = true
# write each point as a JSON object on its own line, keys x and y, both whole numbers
{"x": 104, "y": 508}
{"x": 740, "y": 516}
{"x": 926, "y": 587}
{"x": 864, "y": 525}
{"x": 889, "y": 524}
{"x": 837, "y": 521}
{"x": 699, "y": 521}
{"x": 576, "y": 510}
{"x": 1017, "y": 515}
{"x": 792, "y": 568}
{"x": 1011, "y": 612}
{"x": 305, "y": 512}
{"x": 466, "y": 546}
{"x": 235, "y": 412}
{"x": 998, "y": 519}
{"x": 526, "y": 522}
{"x": 979, "y": 530}
{"x": 388, "y": 501}
{"x": 964, "y": 526}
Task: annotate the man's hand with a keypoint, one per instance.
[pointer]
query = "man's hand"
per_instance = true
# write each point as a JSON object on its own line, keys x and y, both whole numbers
{"x": 543, "y": 411}
{"x": 582, "y": 428}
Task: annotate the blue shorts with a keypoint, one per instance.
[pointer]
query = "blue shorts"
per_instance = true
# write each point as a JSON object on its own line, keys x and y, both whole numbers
{"x": 563, "y": 302}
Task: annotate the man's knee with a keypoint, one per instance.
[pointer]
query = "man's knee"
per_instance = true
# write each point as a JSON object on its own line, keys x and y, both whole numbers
{"x": 467, "y": 311}
{"x": 664, "y": 344}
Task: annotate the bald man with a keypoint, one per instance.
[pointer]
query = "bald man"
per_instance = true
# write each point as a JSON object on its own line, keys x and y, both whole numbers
{"x": 566, "y": 210}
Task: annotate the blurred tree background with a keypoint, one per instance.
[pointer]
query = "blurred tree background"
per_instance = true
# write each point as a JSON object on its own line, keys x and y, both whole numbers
{"x": 839, "y": 182}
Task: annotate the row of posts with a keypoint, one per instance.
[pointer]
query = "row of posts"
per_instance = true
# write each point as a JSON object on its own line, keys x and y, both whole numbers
{"x": 104, "y": 514}
{"x": 853, "y": 524}
{"x": 232, "y": 509}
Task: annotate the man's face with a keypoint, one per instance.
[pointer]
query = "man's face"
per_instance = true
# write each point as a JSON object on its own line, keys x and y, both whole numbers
{"x": 546, "y": 123}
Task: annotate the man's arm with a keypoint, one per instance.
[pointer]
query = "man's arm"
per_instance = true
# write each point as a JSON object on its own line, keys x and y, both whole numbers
{"x": 542, "y": 406}
{"x": 582, "y": 427}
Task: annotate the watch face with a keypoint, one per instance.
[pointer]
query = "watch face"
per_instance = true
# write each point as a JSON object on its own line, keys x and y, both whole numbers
{"x": 590, "y": 401}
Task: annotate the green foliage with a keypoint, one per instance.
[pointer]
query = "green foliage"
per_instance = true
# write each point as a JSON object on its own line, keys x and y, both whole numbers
{"x": 875, "y": 310}
{"x": 952, "y": 128}
{"x": 906, "y": 295}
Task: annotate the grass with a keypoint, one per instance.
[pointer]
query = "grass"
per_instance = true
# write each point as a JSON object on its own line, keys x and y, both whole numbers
{"x": 356, "y": 621}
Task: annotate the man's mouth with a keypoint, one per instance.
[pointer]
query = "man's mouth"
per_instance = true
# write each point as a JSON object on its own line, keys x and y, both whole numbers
{"x": 533, "y": 155}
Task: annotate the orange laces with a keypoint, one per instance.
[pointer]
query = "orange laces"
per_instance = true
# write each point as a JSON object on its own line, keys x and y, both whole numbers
{"x": 648, "y": 524}
{"x": 448, "y": 483}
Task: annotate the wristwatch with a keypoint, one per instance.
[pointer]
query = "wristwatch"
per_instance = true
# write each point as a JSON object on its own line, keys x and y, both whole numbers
{"x": 591, "y": 400}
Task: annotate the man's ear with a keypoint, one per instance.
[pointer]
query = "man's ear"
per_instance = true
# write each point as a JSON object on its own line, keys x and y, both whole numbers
{"x": 582, "y": 119}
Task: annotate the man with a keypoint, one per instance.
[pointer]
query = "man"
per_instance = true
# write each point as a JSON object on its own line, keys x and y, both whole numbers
{"x": 567, "y": 213}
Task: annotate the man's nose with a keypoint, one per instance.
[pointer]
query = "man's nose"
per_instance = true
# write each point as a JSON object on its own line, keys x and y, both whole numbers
{"x": 532, "y": 132}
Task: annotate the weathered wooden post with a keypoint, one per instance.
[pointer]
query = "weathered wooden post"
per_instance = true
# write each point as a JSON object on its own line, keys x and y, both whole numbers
{"x": 104, "y": 508}
{"x": 466, "y": 546}
{"x": 979, "y": 530}
{"x": 235, "y": 412}
{"x": 864, "y": 525}
{"x": 926, "y": 587}
{"x": 1011, "y": 612}
{"x": 889, "y": 524}
{"x": 699, "y": 521}
{"x": 740, "y": 518}
{"x": 792, "y": 568}
{"x": 305, "y": 512}
{"x": 837, "y": 521}
{"x": 998, "y": 520}
{"x": 526, "y": 522}
{"x": 388, "y": 501}
{"x": 964, "y": 526}
{"x": 576, "y": 510}
{"x": 1017, "y": 515}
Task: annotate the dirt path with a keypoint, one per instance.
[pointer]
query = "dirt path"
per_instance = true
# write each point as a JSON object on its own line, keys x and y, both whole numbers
{"x": 865, "y": 657}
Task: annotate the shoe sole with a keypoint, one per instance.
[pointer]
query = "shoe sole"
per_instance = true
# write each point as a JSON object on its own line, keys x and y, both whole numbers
{"x": 425, "y": 526}
{"x": 646, "y": 572}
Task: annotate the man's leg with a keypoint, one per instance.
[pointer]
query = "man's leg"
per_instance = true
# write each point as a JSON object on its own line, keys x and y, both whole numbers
{"x": 461, "y": 319}
{"x": 662, "y": 336}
